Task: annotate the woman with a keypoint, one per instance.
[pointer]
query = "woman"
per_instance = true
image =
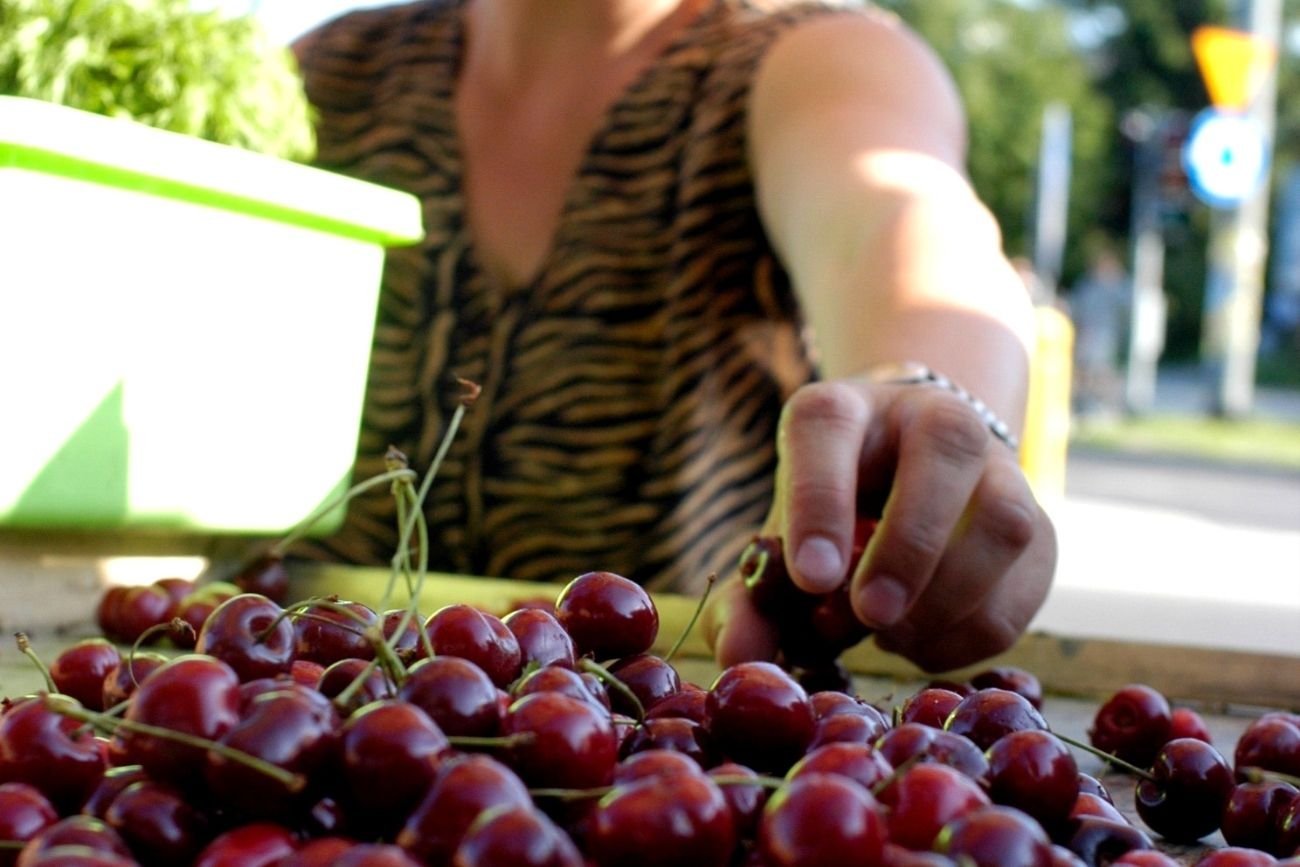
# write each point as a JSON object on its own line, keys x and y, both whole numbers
{"x": 685, "y": 247}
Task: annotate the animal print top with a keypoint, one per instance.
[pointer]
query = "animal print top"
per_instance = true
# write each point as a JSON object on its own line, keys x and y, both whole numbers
{"x": 630, "y": 393}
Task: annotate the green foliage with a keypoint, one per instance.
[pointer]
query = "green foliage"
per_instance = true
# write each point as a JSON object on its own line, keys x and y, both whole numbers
{"x": 1010, "y": 61}
{"x": 160, "y": 63}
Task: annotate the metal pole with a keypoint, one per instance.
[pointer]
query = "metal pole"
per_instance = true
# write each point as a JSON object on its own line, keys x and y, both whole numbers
{"x": 1238, "y": 249}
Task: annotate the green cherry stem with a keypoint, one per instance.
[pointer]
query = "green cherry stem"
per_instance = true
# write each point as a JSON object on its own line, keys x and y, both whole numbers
{"x": 25, "y": 648}
{"x": 68, "y": 707}
{"x": 1253, "y": 774}
{"x": 695, "y": 616}
{"x": 1106, "y": 757}
{"x": 280, "y": 548}
{"x": 607, "y": 677}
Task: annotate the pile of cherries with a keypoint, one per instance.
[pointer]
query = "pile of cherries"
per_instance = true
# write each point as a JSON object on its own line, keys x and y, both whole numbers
{"x": 328, "y": 733}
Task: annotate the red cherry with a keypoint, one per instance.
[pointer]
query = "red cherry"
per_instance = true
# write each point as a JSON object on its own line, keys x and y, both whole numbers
{"x": 608, "y": 616}
{"x": 374, "y": 855}
{"x": 1253, "y": 815}
{"x": 79, "y": 830}
{"x": 756, "y": 714}
{"x": 293, "y": 728}
{"x": 563, "y": 742}
{"x": 542, "y": 640}
{"x": 320, "y": 852}
{"x": 1145, "y": 858}
{"x": 24, "y": 813}
{"x": 1132, "y": 724}
{"x": 996, "y": 836}
{"x": 391, "y": 753}
{"x": 193, "y": 694}
{"x": 250, "y": 634}
{"x": 688, "y": 702}
{"x": 657, "y": 820}
{"x": 821, "y": 819}
{"x": 195, "y": 608}
{"x": 1017, "y": 680}
{"x": 671, "y": 733}
{"x": 558, "y": 678}
{"x": 466, "y": 786}
{"x": 847, "y": 727}
{"x": 1088, "y": 804}
{"x": 987, "y": 714}
{"x": 125, "y": 612}
{"x": 1190, "y": 785}
{"x": 79, "y": 670}
{"x": 261, "y": 844}
{"x": 328, "y": 632}
{"x": 121, "y": 681}
{"x": 405, "y": 644}
{"x": 114, "y": 781}
{"x": 49, "y": 751}
{"x": 1187, "y": 723}
{"x": 1034, "y": 771}
{"x": 927, "y": 797}
{"x": 158, "y": 824}
{"x": 1271, "y": 743}
{"x": 339, "y": 676}
{"x": 473, "y": 634}
{"x": 649, "y": 677}
{"x": 456, "y": 694}
{"x": 858, "y": 761}
{"x": 746, "y": 800}
{"x": 930, "y": 706}
{"x": 516, "y": 835}
{"x": 1100, "y": 841}
{"x": 909, "y": 741}
{"x": 654, "y": 763}
{"x": 265, "y": 575}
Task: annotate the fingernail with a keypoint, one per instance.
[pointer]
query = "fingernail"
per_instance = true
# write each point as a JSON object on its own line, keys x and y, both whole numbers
{"x": 882, "y": 602}
{"x": 818, "y": 561}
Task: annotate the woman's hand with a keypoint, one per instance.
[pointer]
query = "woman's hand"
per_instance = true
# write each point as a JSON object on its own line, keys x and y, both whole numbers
{"x": 963, "y": 556}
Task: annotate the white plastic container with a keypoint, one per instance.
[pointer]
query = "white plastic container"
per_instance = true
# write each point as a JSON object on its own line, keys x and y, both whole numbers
{"x": 185, "y": 327}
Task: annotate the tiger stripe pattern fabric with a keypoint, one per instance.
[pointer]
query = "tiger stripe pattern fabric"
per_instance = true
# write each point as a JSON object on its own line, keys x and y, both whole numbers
{"x": 631, "y": 391}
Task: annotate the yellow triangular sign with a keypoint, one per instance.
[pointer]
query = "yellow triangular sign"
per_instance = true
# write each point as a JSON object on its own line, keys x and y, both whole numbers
{"x": 1233, "y": 63}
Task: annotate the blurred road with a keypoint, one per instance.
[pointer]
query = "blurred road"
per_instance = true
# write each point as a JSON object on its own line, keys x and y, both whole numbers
{"x": 1180, "y": 551}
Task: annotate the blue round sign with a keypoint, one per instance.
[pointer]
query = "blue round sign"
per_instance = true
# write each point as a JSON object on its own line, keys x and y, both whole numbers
{"x": 1226, "y": 157}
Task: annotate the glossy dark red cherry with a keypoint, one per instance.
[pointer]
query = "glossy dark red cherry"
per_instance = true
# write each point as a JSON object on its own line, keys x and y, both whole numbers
{"x": 930, "y": 706}
{"x": 121, "y": 681}
{"x": 1271, "y": 743}
{"x": 987, "y": 714}
{"x": 158, "y": 823}
{"x": 925, "y": 798}
{"x": 49, "y": 751}
{"x": 757, "y": 715}
{"x": 1133, "y": 724}
{"x": 266, "y": 575}
{"x": 257, "y": 844}
{"x": 1189, "y": 788}
{"x": 466, "y": 786}
{"x": 79, "y": 670}
{"x": 250, "y": 634}
{"x": 515, "y": 834}
{"x": 470, "y": 633}
{"x": 1253, "y": 815}
{"x": 1035, "y": 772}
{"x": 1018, "y": 680}
{"x": 822, "y": 819}
{"x": 649, "y": 677}
{"x": 456, "y": 694}
{"x": 391, "y": 752}
{"x": 1097, "y": 840}
{"x": 996, "y": 836}
{"x": 682, "y": 819}
{"x": 542, "y": 640}
{"x": 193, "y": 694}
{"x": 561, "y": 741}
{"x": 608, "y": 616}
{"x": 24, "y": 813}
{"x": 916, "y": 742}
{"x": 329, "y": 630}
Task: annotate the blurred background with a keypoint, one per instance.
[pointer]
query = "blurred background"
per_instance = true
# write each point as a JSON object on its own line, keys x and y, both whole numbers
{"x": 1143, "y": 160}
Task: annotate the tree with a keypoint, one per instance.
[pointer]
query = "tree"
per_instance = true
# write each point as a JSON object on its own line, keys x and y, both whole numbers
{"x": 1010, "y": 61}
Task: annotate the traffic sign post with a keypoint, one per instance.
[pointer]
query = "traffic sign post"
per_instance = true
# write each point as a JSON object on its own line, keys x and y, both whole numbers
{"x": 1226, "y": 157}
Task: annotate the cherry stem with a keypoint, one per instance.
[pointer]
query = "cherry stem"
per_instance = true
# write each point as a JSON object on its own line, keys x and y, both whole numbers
{"x": 506, "y": 741}
{"x": 26, "y": 649}
{"x": 762, "y": 781}
{"x": 170, "y": 627}
{"x": 622, "y": 688}
{"x": 68, "y": 707}
{"x": 1109, "y": 758}
{"x": 344, "y": 698}
{"x": 280, "y": 548}
{"x": 13, "y": 845}
{"x": 1253, "y": 774}
{"x": 695, "y": 616}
